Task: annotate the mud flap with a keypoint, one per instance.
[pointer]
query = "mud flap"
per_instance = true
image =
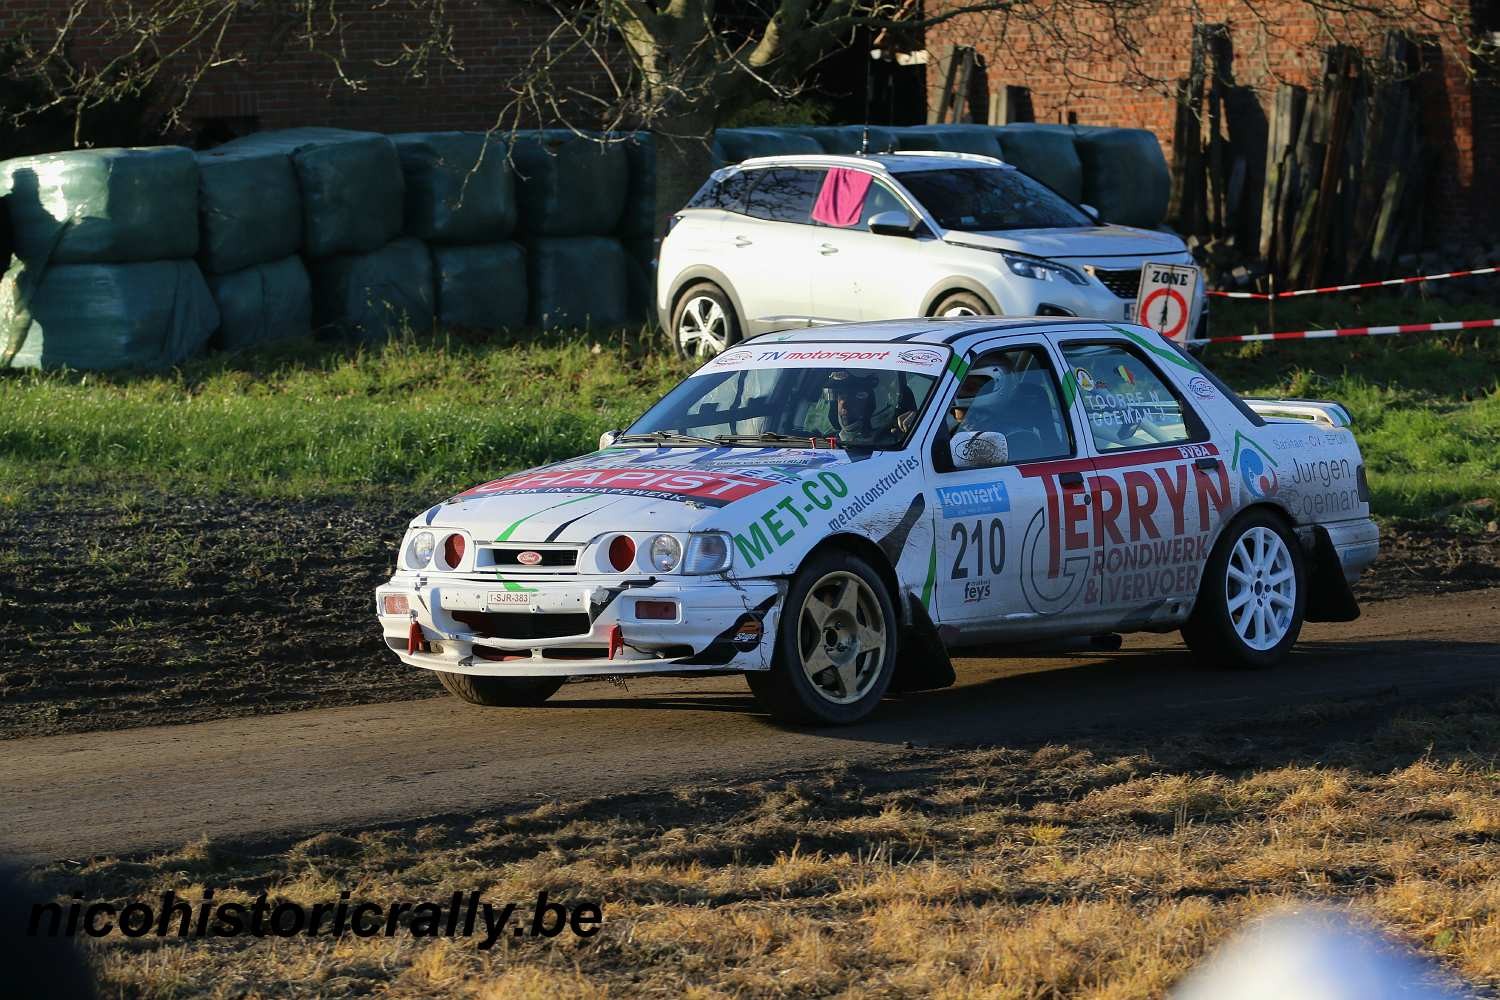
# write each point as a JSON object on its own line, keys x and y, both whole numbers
{"x": 922, "y": 663}
{"x": 1329, "y": 598}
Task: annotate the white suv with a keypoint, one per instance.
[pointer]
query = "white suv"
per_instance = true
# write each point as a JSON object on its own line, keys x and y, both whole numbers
{"x": 781, "y": 242}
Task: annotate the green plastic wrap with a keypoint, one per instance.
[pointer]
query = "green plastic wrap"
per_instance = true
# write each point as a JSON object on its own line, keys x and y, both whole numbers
{"x": 351, "y": 182}
{"x": 569, "y": 185}
{"x": 103, "y": 205}
{"x": 1125, "y": 175}
{"x": 640, "y": 270}
{"x": 741, "y": 144}
{"x": 148, "y": 314}
{"x": 639, "y": 218}
{"x": 851, "y": 139}
{"x": 262, "y": 303}
{"x": 978, "y": 139}
{"x": 1046, "y": 154}
{"x": 249, "y": 209}
{"x": 480, "y": 287}
{"x": 579, "y": 281}
{"x": 372, "y": 296}
{"x": 459, "y": 187}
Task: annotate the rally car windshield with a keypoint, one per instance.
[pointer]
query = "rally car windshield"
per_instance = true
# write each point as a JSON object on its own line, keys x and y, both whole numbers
{"x": 858, "y": 407}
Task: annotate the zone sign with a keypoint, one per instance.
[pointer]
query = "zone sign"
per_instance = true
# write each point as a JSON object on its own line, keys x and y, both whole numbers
{"x": 1164, "y": 300}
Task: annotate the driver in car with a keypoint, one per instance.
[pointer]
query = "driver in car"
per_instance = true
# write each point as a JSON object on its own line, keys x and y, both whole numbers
{"x": 856, "y": 414}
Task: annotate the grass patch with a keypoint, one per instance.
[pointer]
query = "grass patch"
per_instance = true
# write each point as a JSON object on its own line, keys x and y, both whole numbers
{"x": 438, "y": 414}
{"x": 1106, "y": 869}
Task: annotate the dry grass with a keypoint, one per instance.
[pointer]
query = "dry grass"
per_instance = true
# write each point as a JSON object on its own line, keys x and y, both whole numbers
{"x": 1103, "y": 871}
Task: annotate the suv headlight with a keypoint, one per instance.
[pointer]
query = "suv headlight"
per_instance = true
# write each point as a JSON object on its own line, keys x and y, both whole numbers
{"x": 1041, "y": 270}
{"x": 707, "y": 553}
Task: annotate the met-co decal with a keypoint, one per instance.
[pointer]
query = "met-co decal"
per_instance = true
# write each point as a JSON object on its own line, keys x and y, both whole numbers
{"x": 975, "y": 498}
{"x": 780, "y": 524}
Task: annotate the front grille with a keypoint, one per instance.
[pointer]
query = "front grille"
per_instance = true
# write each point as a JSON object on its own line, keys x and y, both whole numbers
{"x": 522, "y": 625}
{"x": 1124, "y": 283}
{"x": 550, "y": 557}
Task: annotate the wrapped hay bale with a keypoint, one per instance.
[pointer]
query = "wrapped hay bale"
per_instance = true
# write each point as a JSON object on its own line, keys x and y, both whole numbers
{"x": 102, "y": 205}
{"x": 351, "y": 183}
{"x": 850, "y": 139}
{"x": 640, "y": 273}
{"x": 578, "y": 281}
{"x": 740, "y": 144}
{"x": 639, "y": 217}
{"x": 1125, "y": 175}
{"x": 249, "y": 208}
{"x": 481, "y": 287}
{"x": 567, "y": 184}
{"x": 978, "y": 139}
{"x": 147, "y": 314}
{"x": 1046, "y": 154}
{"x": 459, "y": 187}
{"x": 374, "y": 295}
{"x": 263, "y": 303}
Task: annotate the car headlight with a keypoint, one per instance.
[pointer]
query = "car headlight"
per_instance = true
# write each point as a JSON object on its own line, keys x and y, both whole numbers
{"x": 707, "y": 553}
{"x": 664, "y": 553}
{"x": 1042, "y": 270}
{"x": 419, "y": 553}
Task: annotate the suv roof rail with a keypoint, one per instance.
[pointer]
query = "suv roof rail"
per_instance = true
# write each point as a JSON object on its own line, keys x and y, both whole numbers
{"x": 946, "y": 155}
{"x": 836, "y": 159}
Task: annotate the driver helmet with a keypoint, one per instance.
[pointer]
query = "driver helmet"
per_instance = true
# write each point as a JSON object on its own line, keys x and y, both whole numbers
{"x": 982, "y": 384}
{"x": 852, "y": 393}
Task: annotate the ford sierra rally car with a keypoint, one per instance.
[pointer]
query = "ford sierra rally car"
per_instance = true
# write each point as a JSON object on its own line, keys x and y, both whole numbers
{"x": 830, "y": 511}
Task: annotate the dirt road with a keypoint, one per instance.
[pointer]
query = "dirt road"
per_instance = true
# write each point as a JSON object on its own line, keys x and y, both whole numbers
{"x": 77, "y": 795}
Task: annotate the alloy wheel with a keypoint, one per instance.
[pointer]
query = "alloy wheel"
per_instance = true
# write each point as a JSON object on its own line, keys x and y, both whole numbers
{"x": 841, "y": 636}
{"x": 1260, "y": 588}
{"x": 702, "y": 327}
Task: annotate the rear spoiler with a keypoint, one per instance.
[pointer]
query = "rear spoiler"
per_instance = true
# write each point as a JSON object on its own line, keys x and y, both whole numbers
{"x": 1316, "y": 411}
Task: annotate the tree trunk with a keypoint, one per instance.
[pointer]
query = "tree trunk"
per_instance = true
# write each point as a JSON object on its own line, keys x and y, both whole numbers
{"x": 684, "y": 159}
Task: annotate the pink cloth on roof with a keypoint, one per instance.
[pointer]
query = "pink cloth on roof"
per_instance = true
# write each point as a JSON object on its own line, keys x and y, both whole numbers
{"x": 842, "y": 200}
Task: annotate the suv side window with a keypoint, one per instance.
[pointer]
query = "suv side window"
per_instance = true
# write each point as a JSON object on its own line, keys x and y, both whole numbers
{"x": 784, "y": 194}
{"x": 880, "y": 199}
{"x": 1127, "y": 403}
{"x": 1012, "y": 396}
{"x": 727, "y": 194}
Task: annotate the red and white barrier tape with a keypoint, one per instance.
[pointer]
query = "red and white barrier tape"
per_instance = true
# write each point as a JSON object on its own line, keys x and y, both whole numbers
{"x": 1355, "y": 331}
{"x": 1492, "y": 269}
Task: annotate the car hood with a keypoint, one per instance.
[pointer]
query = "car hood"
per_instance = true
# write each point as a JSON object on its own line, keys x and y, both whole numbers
{"x": 1088, "y": 243}
{"x": 627, "y": 489}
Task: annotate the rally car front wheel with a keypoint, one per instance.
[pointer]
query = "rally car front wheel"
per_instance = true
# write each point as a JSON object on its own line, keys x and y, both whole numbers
{"x": 1252, "y": 597}
{"x": 498, "y": 692}
{"x": 836, "y": 647}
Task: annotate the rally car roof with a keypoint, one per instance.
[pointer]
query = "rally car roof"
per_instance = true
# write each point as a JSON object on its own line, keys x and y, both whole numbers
{"x": 934, "y": 330}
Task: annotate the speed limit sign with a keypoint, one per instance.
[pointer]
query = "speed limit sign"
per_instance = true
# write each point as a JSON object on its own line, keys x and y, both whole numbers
{"x": 1164, "y": 300}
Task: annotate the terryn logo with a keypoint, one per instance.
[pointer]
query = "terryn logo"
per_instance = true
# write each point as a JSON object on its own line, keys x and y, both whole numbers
{"x": 529, "y": 558}
{"x": 920, "y": 356}
{"x": 735, "y": 358}
{"x": 1255, "y": 466}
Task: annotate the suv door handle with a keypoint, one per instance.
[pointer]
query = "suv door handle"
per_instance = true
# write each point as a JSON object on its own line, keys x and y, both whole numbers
{"x": 740, "y": 241}
{"x": 827, "y": 248}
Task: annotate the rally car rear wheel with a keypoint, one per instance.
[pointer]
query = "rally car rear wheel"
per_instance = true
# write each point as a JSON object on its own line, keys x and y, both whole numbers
{"x": 1253, "y": 595}
{"x": 836, "y": 647}
{"x": 498, "y": 692}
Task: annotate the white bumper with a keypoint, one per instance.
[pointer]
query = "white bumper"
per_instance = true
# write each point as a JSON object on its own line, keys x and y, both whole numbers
{"x": 582, "y": 626}
{"x": 1357, "y": 542}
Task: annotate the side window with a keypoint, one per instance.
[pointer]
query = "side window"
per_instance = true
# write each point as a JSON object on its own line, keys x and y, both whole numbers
{"x": 784, "y": 194}
{"x": 1127, "y": 403}
{"x": 727, "y": 193}
{"x": 881, "y": 199}
{"x": 1007, "y": 410}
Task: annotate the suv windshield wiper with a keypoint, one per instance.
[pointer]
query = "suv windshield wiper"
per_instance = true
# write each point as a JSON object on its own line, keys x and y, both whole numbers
{"x": 673, "y": 437}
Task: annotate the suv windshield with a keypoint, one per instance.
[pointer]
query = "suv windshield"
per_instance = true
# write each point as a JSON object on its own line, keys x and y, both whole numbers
{"x": 743, "y": 404}
{"x": 981, "y": 199}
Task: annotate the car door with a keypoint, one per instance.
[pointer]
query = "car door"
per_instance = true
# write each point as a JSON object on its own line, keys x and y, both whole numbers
{"x": 1009, "y": 485}
{"x": 1160, "y": 487}
{"x": 768, "y": 248}
{"x": 857, "y": 274}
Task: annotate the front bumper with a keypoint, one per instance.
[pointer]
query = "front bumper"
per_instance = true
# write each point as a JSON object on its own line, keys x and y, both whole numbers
{"x": 581, "y": 626}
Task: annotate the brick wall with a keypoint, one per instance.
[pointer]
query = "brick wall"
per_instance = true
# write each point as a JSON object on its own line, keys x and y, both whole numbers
{"x": 1120, "y": 68}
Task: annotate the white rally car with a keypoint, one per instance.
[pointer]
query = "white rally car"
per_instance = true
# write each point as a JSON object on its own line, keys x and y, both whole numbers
{"x": 830, "y": 511}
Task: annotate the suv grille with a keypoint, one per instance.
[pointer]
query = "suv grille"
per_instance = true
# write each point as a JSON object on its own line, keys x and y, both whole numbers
{"x": 518, "y": 625}
{"x": 1124, "y": 283}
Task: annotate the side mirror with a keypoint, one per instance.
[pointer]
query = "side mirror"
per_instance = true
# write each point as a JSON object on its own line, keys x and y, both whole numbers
{"x": 892, "y": 223}
{"x": 1092, "y": 213}
{"x": 608, "y": 438}
{"x": 978, "y": 449}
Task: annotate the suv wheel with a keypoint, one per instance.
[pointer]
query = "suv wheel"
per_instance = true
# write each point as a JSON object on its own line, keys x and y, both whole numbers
{"x": 961, "y": 304}
{"x": 704, "y": 324}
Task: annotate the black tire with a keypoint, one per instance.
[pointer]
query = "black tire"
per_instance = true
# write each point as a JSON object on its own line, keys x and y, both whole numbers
{"x": 500, "y": 692}
{"x": 788, "y": 691}
{"x": 962, "y": 304}
{"x": 689, "y": 309}
{"x": 1213, "y": 633}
